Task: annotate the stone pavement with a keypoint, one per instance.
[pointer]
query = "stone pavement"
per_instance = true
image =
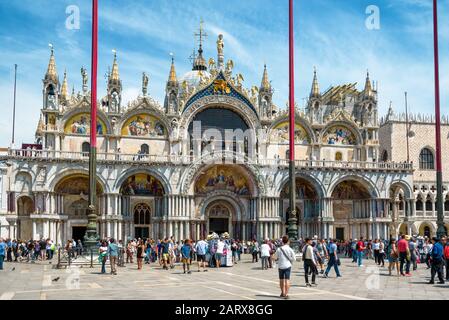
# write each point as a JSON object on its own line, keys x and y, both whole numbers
{"x": 244, "y": 281}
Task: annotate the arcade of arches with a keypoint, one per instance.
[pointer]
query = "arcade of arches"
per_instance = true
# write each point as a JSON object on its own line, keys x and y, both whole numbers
{"x": 222, "y": 198}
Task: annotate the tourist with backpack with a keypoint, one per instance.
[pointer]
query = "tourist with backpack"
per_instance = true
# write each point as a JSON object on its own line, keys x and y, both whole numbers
{"x": 285, "y": 256}
{"x": 308, "y": 257}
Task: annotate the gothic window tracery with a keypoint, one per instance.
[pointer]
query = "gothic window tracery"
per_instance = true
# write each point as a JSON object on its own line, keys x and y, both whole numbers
{"x": 142, "y": 214}
{"x": 426, "y": 159}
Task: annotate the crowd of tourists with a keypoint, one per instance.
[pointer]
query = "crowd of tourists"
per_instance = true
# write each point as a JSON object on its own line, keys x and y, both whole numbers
{"x": 210, "y": 252}
{"x": 402, "y": 254}
{"x": 12, "y": 250}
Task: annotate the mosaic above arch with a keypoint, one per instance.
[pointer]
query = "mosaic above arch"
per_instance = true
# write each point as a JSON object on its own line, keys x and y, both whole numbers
{"x": 76, "y": 185}
{"x": 350, "y": 189}
{"x": 80, "y": 124}
{"x": 144, "y": 125}
{"x": 280, "y": 133}
{"x": 339, "y": 135}
{"x": 223, "y": 177}
{"x": 304, "y": 190}
{"x": 142, "y": 184}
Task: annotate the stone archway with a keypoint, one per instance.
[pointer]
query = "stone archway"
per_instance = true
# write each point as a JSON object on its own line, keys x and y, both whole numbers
{"x": 25, "y": 207}
{"x": 220, "y": 214}
{"x": 351, "y": 209}
{"x": 307, "y": 206}
{"x": 427, "y": 229}
{"x": 70, "y": 199}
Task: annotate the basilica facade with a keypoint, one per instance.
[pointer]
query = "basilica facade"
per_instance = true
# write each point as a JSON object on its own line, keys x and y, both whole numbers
{"x": 171, "y": 168}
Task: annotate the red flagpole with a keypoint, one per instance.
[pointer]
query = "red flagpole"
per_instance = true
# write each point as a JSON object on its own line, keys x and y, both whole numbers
{"x": 292, "y": 220}
{"x": 439, "y": 175}
{"x": 91, "y": 230}
{"x": 291, "y": 82}
{"x": 93, "y": 131}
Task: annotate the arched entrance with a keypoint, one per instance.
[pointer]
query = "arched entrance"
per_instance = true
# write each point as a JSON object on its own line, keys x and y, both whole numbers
{"x": 426, "y": 230}
{"x": 143, "y": 206}
{"x": 403, "y": 229}
{"x": 307, "y": 207}
{"x": 351, "y": 200}
{"x": 71, "y": 200}
{"x": 220, "y": 215}
{"x": 25, "y": 207}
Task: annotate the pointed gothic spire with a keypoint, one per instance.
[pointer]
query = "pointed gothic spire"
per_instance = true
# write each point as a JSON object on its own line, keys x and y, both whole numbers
{"x": 114, "y": 73}
{"x": 51, "y": 69}
{"x": 64, "y": 88}
{"x": 315, "y": 92}
{"x": 265, "y": 80}
{"x": 172, "y": 76}
{"x": 368, "y": 91}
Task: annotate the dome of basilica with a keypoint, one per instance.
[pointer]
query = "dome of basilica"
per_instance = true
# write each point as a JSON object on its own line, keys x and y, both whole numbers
{"x": 193, "y": 78}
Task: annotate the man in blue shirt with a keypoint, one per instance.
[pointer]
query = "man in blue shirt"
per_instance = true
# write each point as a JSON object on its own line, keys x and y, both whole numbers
{"x": 201, "y": 250}
{"x": 185, "y": 252}
{"x": 436, "y": 262}
{"x": 333, "y": 259}
{"x": 3, "y": 248}
{"x": 113, "y": 255}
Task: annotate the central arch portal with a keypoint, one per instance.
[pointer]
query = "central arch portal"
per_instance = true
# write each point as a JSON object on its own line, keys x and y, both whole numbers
{"x": 220, "y": 215}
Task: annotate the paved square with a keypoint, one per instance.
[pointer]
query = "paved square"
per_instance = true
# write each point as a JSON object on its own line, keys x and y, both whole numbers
{"x": 244, "y": 281}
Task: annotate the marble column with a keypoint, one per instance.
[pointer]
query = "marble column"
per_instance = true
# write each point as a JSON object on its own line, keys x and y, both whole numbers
{"x": 181, "y": 230}
{"x": 33, "y": 236}
{"x": 170, "y": 229}
{"x": 119, "y": 236}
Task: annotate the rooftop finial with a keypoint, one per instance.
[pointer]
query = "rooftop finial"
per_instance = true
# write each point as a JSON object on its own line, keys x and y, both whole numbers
{"x": 315, "y": 92}
{"x": 199, "y": 62}
{"x": 115, "y": 74}
{"x": 368, "y": 91}
{"x": 51, "y": 69}
{"x": 64, "y": 87}
{"x": 265, "y": 80}
{"x": 172, "y": 76}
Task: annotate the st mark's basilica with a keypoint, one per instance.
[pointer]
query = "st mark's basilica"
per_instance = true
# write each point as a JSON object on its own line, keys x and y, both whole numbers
{"x": 155, "y": 179}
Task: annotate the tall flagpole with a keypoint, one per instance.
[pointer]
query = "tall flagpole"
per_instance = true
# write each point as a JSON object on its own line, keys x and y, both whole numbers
{"x": 91, "y": 231}
{"x": 407, "y": 128}
{"x": 292, "y": 227}
{"x": 14, "y": 108}
{"x": 440, "y": 212}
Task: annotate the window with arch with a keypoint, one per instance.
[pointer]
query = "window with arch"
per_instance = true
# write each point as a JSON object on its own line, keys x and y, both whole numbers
{"x": 446, "y": 204}
{"x": 384, "y": 156}
{"x": 401, "y": 202}
{"x": 85, "y": 147}
{"x": 419, "y": 204}
{"x": 426, "y": 159}
{"x": 287, "y": 154}
{"x": 142, "y": 214}
{"x": 429, "y": 203}
{"x": 427, "y": 231}
{"x": 51, "y": 90}
{"x": 144, "y": 149}
{"x": 338, "y": 156}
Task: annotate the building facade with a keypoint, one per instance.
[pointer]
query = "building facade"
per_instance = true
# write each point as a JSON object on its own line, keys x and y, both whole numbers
{"x": 174, "y": 169}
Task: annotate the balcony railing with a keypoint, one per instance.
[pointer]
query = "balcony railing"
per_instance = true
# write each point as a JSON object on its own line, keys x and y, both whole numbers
{"x": 50, "y": 155}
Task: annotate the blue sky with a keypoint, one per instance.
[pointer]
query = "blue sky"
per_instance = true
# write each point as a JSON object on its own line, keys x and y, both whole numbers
{"x": 330, "y": 34}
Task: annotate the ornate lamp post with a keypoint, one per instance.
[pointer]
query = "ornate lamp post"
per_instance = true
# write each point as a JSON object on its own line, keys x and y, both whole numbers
{"x": 91, "y": 236}
{"x": 440, "y": 213}
{"x": 292, "y": 227}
